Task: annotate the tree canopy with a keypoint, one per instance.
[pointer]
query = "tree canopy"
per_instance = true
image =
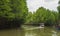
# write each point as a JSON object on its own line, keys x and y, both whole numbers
{"x": 13, "y": 12}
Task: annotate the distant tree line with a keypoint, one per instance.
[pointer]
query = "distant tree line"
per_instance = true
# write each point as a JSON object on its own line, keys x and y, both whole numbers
{"x": 43, "y": 15}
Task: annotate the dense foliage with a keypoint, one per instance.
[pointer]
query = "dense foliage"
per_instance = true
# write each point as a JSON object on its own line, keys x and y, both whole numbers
{"x": 58, "y": 8}
{"x": 43, "y": 15}
{"x": 12, "y": 12}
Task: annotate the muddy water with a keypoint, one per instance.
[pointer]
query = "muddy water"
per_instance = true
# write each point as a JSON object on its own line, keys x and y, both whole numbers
{"x": 23, "y": 32}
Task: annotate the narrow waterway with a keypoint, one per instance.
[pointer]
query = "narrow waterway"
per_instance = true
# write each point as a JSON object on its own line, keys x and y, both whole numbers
{"x": 23, "y": 32}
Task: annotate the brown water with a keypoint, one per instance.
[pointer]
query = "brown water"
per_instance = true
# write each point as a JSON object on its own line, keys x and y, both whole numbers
{"x": 23, "y": 32}
{"x": 10, "y": 32}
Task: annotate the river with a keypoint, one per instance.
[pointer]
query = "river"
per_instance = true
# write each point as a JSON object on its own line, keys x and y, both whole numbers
{"x": 23, "y": 32}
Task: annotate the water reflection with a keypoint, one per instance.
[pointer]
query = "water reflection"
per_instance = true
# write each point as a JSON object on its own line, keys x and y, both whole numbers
{"x": 30, "y": 33}
{"x": 35, "y": 32}
{"x": 23, "y": 32}
{"x": 54, "y": 33}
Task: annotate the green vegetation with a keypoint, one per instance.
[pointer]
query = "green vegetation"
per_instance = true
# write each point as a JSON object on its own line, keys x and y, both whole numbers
{"x": 15, "y": 13}
{"x": 59, "y": 10}
{"x": 12, "y": 12}
{"x": 43, "y": 15}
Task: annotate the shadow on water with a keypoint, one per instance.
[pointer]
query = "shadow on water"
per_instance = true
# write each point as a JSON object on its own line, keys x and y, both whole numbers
{"x": 23, "y": 32}
{"x": 12, "y": 32}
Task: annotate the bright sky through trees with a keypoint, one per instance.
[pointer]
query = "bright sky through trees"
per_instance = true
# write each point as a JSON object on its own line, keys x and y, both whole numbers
{"x": 33, "y": 5}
